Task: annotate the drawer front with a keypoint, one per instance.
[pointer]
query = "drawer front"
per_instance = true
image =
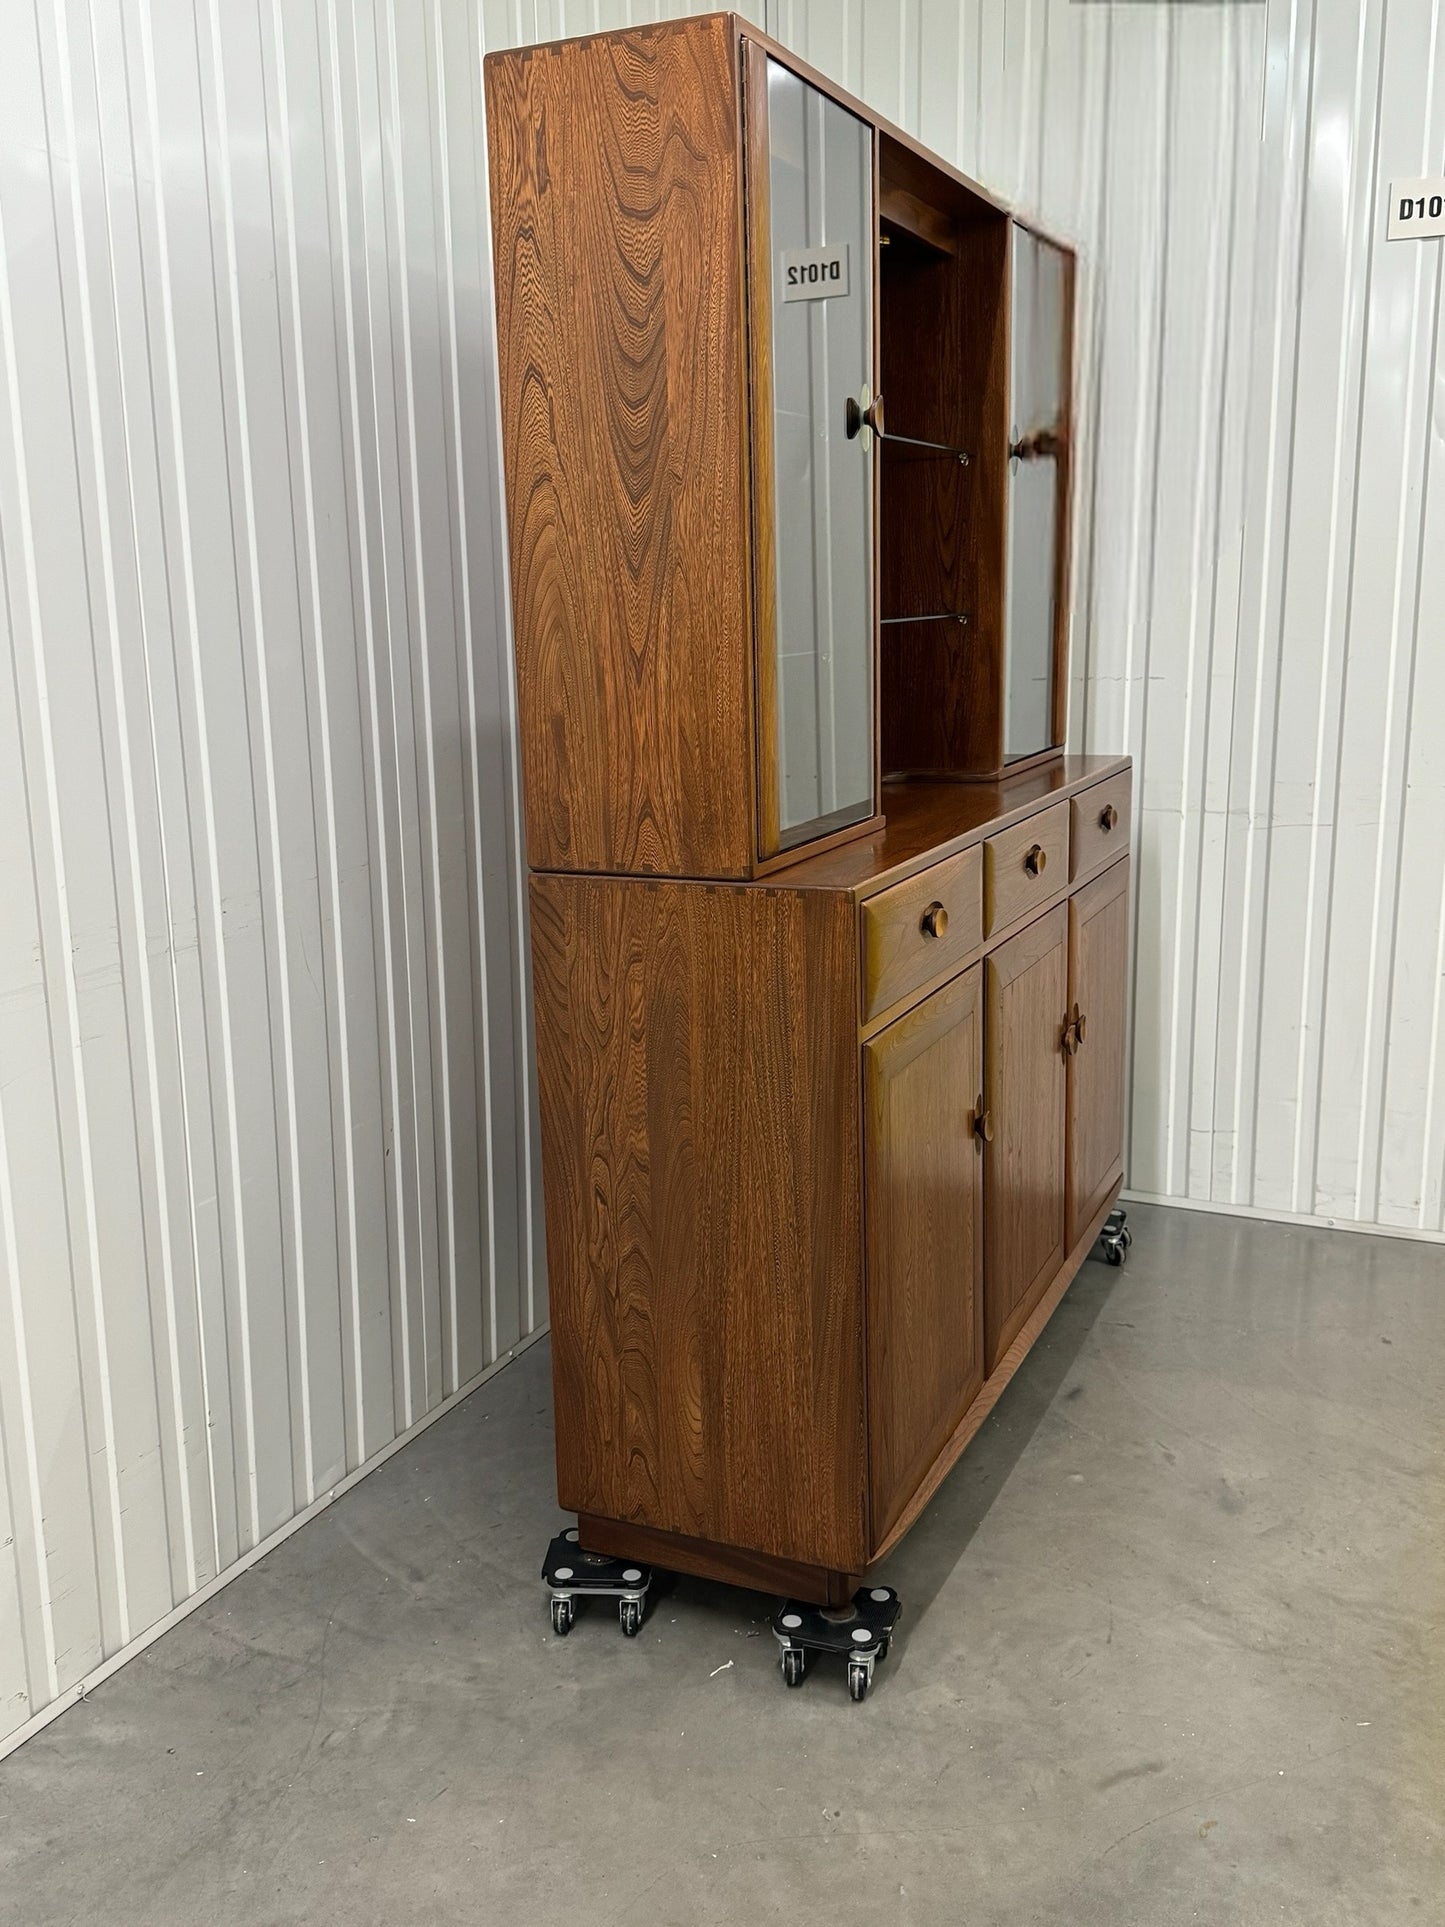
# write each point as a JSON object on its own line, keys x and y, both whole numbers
{"x": 1025, "y": 866}
{"x": 1099, "y": 826}
{"x": 920, "y": 930}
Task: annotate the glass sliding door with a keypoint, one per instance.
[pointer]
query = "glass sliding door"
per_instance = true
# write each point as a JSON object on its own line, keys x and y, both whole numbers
{"x": 813, "y": 239}
{"x": 1037, "y": 506}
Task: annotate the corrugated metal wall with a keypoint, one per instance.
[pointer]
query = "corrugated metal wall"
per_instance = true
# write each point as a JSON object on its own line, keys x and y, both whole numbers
{"x": 264, "y": 1163}
{"x": 264, "y": 1159}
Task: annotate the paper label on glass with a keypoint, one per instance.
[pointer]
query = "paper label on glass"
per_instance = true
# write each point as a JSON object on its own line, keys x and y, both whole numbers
{"x": 812, "y": 274}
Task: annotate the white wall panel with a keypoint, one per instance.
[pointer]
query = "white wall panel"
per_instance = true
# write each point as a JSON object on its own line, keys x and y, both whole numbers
{"x": 266, "y": 1173}
{"x": 268, "y": 1168}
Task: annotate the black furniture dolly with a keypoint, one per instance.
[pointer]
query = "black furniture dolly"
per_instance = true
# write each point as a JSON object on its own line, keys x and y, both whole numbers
{"x": 862, "y": 1632}
{"x": 571, "y": 1574}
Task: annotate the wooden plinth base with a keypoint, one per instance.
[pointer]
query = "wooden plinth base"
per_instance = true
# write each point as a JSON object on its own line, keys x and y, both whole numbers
{"x": 731, "y": 1564}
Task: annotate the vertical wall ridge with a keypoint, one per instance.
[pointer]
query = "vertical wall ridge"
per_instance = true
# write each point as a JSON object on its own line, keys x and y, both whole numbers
{"x": 263, "y": 1198}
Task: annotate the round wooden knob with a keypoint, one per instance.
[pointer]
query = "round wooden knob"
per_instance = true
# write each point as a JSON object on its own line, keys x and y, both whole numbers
{"x": 863, "y": 416}
{"x": 983, "y": 1124}
{"x": 1108, "y": 817}
{"x": 1037, "y": 860}
{"x": 934, "y": 920}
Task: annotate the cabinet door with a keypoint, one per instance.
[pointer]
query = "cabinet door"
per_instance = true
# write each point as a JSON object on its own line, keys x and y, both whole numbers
{"x": 810, "y": 271}
{"x": 1027, "y": 984}
{"x": 1036, "y": 616}
{"x": 1098, "y": 975}
{"x": 922, "y": 1092}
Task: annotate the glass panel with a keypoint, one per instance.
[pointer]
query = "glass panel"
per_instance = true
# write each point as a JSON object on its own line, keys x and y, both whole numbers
{"x": 1039, "y": 309}
{"x": 820, "y": 180}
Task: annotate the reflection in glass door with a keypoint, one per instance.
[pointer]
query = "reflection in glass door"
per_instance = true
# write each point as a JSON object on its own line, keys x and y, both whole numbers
{"x": 820, "y": 207}
{"x": 1039, "y": 307}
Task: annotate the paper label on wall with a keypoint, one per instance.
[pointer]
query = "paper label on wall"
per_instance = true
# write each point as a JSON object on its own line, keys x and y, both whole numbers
{"x": 1417, "y": 209}
{"x": 812, "y": 274}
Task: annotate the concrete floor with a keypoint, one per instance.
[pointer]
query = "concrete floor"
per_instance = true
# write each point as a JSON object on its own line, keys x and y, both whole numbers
{"x": 1173, "y": 1651}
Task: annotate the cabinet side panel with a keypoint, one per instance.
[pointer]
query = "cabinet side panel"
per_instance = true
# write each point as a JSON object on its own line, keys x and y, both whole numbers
{"x": 698, "y": 1071}
{"x": 616, "y": 221}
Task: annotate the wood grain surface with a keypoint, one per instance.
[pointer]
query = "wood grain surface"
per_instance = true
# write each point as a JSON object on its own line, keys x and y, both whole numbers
{"x": 928, "y": 533}
{"x": 1026, "y": 998}
{"x": 945, "y": 375}
{"x": 927, "y": 821}
{"x": 616, "y": 213}
{"x": 698, "y": 1071}
{"x": 733, "y": 1565}
{"x": 900, "y": 952}
{"x": 1024, "y": 866}
{"x": 1099, "y": 986}
{"x": 917, "y": 217}
{"x": 1097, "y": 839}
{"x": 922, "y": 1084}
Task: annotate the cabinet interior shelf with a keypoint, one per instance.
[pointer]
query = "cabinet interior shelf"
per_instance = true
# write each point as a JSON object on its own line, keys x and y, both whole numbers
{"x": 915, "y": 219}
{"x": 942, "y": 615}
{"x": 917, "y": 447}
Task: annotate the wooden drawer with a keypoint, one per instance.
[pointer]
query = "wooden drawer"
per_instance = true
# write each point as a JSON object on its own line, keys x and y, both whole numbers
{"x": 1099, "y": 826}
{"x": 1025, "y": 866}
{"x": 904, "y": 946}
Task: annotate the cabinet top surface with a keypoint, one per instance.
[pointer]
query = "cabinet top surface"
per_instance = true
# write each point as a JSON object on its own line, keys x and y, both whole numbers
{"x": 929, "y": 821}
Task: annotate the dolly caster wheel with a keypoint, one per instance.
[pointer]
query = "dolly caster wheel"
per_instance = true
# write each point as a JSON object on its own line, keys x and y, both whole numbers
{"x": 564, "y": 1613}
{"x": 629, "y": 1617}
{"x": 860, "y": 1678}
{"x": 1116, "y": 1238}
{"x": 795, "y": 1665}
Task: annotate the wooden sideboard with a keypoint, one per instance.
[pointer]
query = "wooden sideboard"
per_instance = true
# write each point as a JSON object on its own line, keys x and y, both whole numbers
{"x": 829, "y": 936}
{"x": 816, "y": 1178}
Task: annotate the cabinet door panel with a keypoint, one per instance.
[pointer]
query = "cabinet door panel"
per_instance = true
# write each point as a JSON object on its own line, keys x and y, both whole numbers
{"x": 1027, "y": 982}
{"x": 1098, "y": 972}
{"x": 922, "y": 1080}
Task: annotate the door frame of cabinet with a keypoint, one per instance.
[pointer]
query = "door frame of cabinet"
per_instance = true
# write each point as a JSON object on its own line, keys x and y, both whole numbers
{"x": 1064, "y": 544}
{"x": 757, "y": 309}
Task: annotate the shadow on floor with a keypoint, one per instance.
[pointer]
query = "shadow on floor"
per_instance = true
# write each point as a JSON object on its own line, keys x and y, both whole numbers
{"x": 922, "y": 1565}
